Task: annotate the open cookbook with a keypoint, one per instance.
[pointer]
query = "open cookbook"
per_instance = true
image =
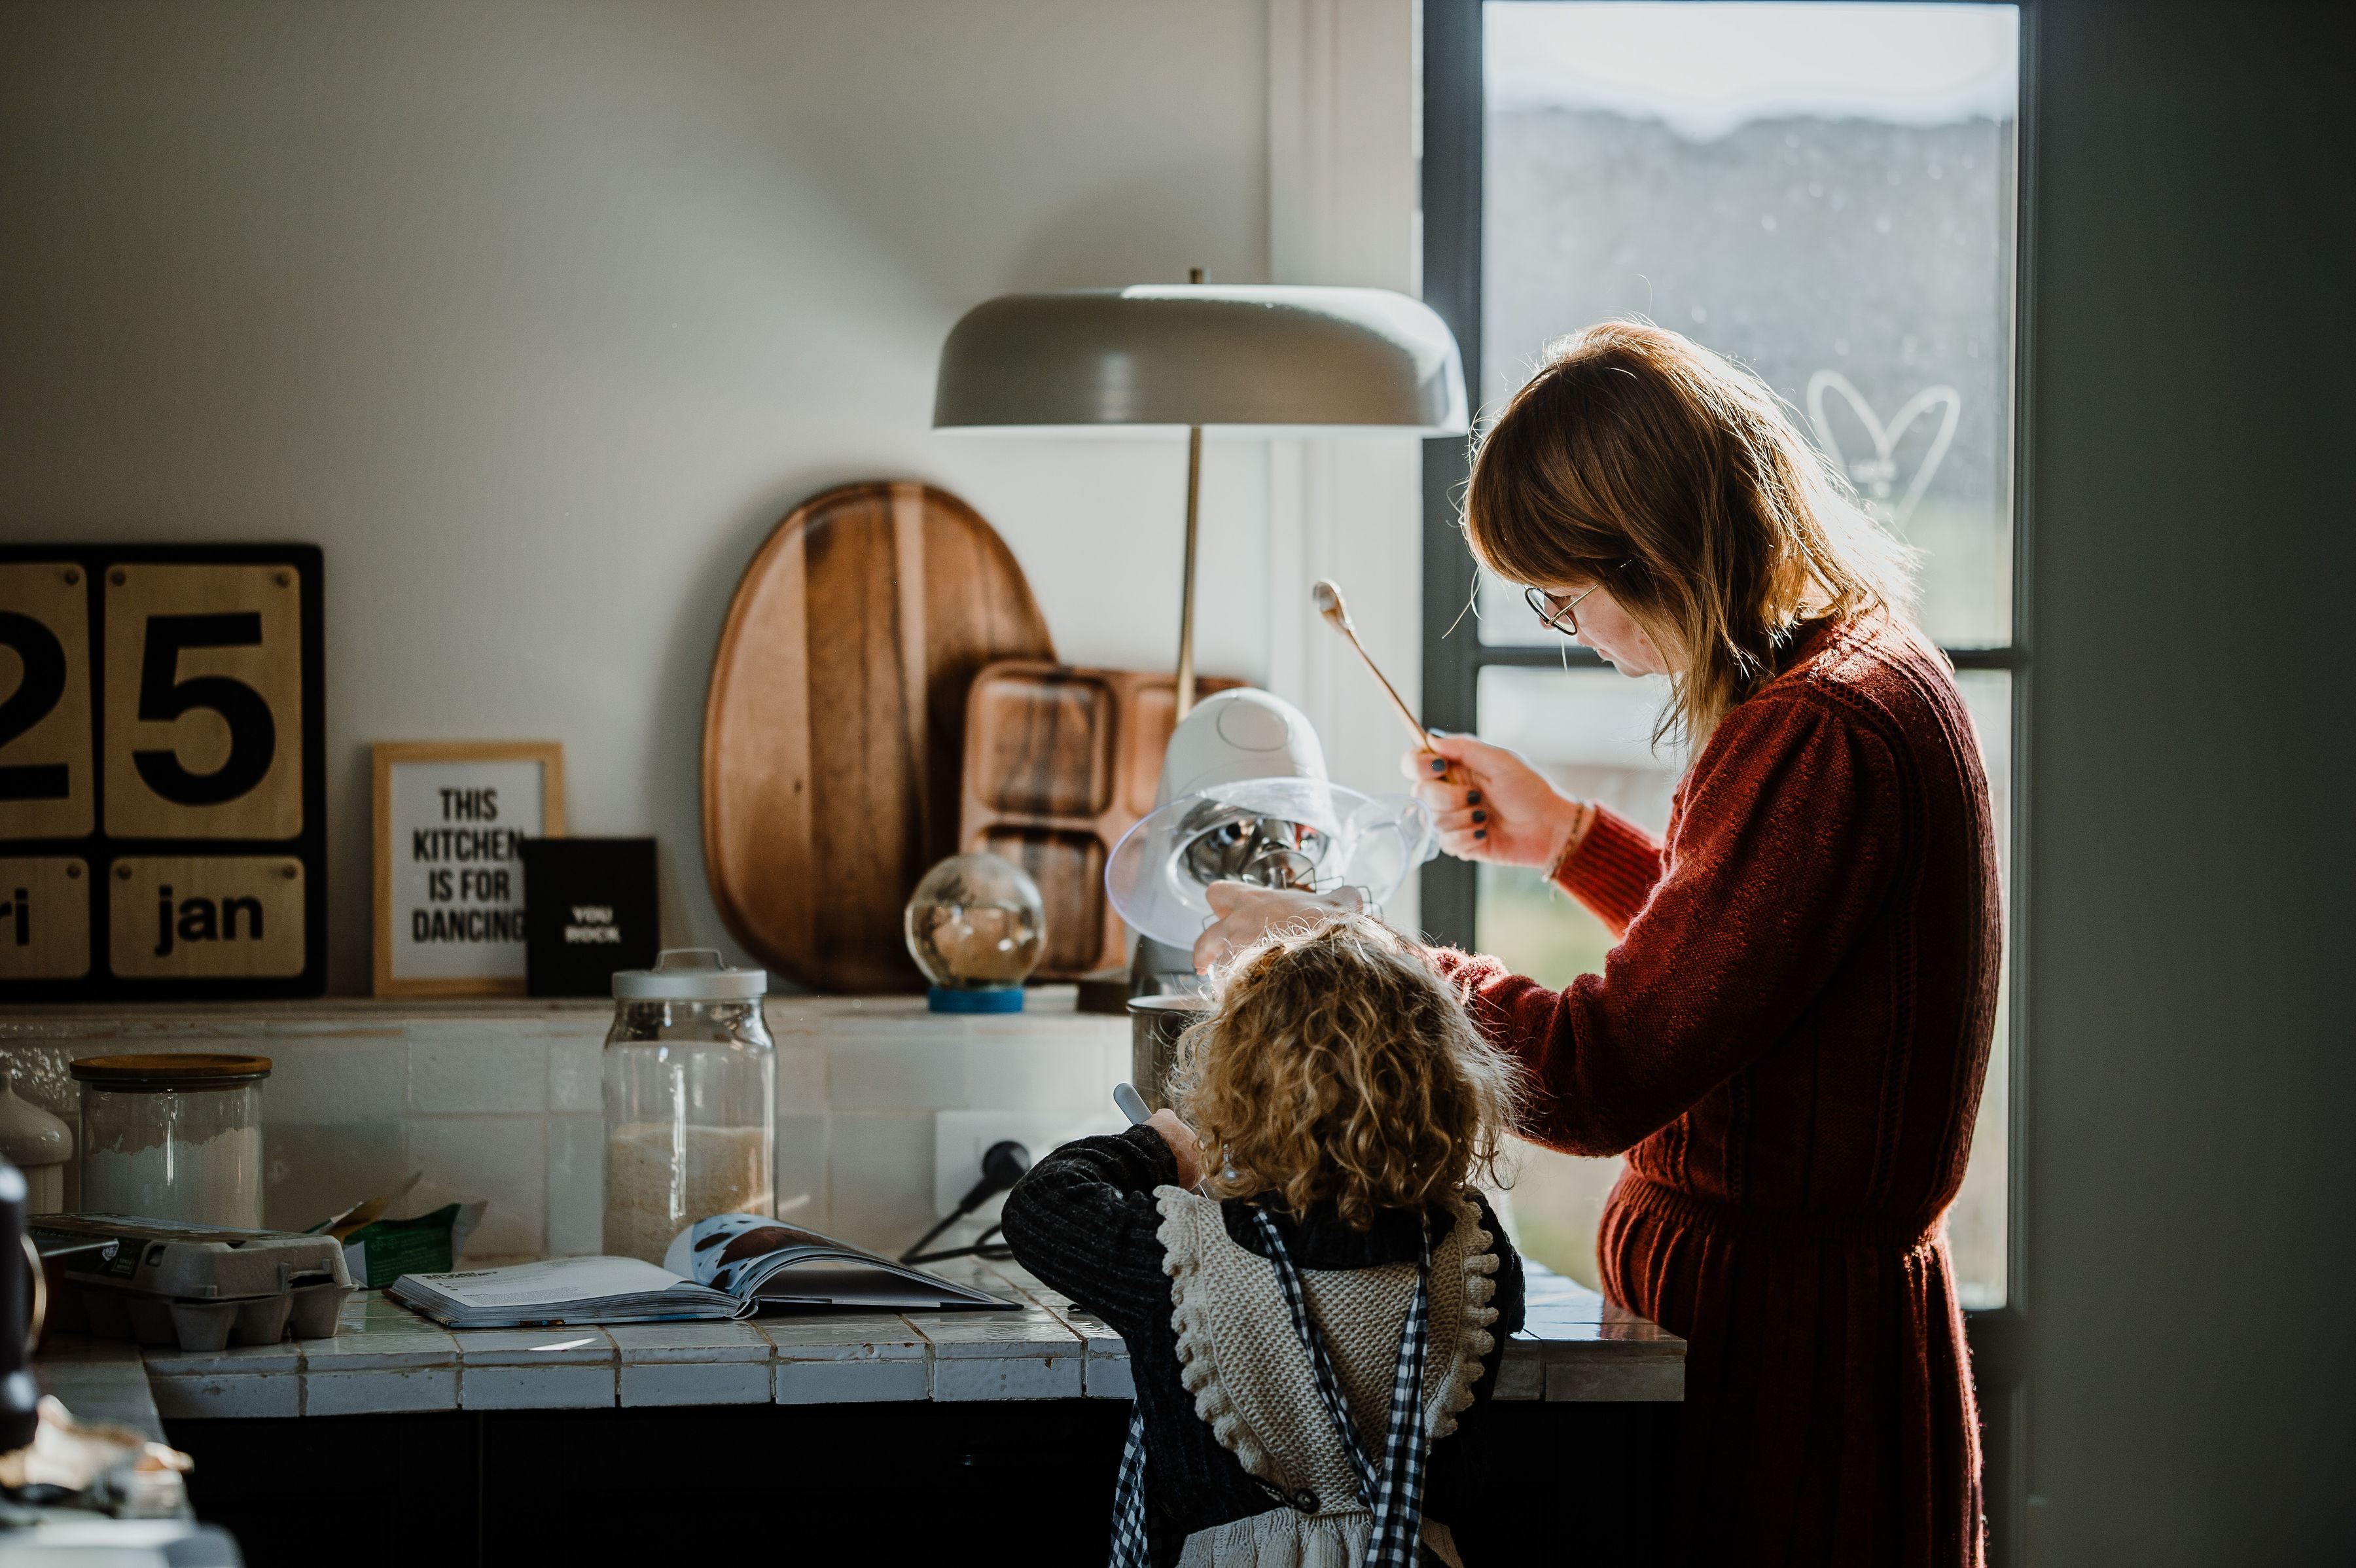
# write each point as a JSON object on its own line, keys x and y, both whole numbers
{"x": 730, "y": 1265}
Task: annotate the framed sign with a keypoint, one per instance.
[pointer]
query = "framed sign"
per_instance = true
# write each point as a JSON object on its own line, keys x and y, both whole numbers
{"x": 451, "y": 819}
{"x": 163, "y": 804}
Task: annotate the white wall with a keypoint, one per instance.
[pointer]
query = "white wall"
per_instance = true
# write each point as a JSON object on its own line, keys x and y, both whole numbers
{"x": 537, "y": 318}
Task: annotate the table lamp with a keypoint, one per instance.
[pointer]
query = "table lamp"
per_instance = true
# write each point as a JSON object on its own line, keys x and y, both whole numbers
{"x": 1270, "y": 357}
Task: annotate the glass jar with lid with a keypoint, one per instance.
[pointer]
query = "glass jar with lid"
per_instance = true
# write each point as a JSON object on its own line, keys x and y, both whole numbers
{"x": 173, "y": 1137}
{"x": 690, "y": 1100}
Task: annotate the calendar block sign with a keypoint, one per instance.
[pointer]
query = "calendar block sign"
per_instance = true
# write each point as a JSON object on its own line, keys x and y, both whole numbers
{"x": 163, "y": 797}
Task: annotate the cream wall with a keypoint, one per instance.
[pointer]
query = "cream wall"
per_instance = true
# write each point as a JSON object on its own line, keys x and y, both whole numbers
{"x": 537, "y": 316}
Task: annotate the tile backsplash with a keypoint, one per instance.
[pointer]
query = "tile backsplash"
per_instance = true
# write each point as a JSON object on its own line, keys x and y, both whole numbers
{"x": 502, "y": 1100}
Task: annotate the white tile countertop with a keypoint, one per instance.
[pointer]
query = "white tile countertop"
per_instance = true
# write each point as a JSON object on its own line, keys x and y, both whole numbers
{"x": 101, "y": 1379}
{"x": 386, "y": 1361}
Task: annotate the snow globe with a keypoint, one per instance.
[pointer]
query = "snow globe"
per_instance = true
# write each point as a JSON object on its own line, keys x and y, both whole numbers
{"x": 977, "y": 926}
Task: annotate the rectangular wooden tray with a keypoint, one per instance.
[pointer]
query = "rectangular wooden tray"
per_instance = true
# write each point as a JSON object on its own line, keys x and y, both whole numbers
{"x": 1059, "y": 763}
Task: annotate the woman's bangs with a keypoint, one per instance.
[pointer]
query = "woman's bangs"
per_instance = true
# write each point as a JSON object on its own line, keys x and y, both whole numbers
{"x": 1513, "y": 539}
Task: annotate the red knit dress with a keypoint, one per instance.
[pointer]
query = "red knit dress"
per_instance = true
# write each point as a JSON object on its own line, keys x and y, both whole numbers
{"x": 1788, "y": 1044}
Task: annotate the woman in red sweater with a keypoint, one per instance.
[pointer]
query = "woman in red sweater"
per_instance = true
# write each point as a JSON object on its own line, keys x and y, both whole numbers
{"x": 1789, "y": 1040}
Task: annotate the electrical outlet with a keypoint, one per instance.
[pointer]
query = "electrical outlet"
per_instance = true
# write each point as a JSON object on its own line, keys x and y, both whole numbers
{"x": 961, "y": 1137}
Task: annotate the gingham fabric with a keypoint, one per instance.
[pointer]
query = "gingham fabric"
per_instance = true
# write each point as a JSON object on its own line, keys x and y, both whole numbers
{"x": 1128, "y": 1543}
{"x": 1395, "y": 1496}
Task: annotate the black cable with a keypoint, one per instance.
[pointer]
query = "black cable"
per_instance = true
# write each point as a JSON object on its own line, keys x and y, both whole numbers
{"x": 912, "y": 1254}
{"x": 983, "y": 1248}
{"x": 1004, "y": 1164}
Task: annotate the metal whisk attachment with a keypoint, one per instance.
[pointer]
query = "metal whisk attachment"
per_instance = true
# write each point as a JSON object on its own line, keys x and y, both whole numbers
{"x": 1265, "y": 852}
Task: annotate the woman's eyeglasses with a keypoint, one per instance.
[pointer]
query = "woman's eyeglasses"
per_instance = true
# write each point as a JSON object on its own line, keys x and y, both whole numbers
{"x": 1554, "y": 614}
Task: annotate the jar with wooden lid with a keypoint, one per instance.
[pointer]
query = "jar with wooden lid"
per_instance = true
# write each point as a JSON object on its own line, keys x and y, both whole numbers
{"x": 173, "y": 1137}
{"x": 690, "y": 1100}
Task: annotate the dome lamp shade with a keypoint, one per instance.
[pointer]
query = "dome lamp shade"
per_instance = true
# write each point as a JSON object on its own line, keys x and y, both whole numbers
{"x": 1269, "y": 359}
{"x": 1201, "y": 355}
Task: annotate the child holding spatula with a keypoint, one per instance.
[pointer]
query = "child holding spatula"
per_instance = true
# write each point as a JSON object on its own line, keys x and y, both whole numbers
{"x": 1307, "y": 1321}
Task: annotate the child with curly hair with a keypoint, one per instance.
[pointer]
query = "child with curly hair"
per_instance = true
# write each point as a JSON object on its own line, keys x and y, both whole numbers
{"x": 1312, "y": 1290}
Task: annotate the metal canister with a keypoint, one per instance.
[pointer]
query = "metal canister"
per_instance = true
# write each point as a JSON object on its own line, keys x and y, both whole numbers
{"x": 1154, "y": 1025}
{"x": 20, "y": 1290}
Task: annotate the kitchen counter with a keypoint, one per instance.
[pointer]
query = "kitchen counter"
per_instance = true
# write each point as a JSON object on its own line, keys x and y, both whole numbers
{"x": 590, "y": 1444}
{"x": 386, "y": 1361}
{"x": 101, "y": 1379}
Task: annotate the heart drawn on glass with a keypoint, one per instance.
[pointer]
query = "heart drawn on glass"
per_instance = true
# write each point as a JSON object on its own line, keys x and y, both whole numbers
{"x": 1874, "y": 476}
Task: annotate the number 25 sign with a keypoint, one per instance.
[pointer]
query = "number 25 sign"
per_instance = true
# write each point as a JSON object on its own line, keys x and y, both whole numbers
{"x": 161, "y": 799}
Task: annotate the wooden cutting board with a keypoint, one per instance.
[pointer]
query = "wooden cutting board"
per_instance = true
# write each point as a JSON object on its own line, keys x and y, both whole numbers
{"x": 834, "y": 733}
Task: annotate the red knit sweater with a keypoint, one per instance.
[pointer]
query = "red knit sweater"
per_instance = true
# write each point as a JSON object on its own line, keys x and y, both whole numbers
{"x": 1788, "y": 1043}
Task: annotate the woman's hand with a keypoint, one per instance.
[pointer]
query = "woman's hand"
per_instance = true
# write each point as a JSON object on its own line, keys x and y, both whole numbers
{"x": 1246, "y": 913}
{"x": 1491, "y": 805}
{"x": 1183, "y": 1145}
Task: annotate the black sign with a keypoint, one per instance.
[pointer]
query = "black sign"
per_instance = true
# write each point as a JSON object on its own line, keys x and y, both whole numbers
{"x": 589, "y": 909}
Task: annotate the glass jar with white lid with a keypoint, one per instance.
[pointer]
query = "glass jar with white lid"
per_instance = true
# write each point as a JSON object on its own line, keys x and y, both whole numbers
{"x": 690, "y": 1100}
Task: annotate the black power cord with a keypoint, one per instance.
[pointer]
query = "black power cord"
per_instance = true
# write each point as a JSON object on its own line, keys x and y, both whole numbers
{"x": 1002, "y": 1166}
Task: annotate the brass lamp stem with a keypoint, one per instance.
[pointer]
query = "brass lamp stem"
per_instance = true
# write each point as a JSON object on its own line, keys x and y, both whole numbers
{"x": 1186, "y": 584}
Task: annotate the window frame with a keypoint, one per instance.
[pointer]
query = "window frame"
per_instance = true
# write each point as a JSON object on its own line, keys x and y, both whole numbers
{"x": 1452, "y": 180}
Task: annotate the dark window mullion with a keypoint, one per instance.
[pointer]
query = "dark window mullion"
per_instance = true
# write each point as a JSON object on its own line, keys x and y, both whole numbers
{"x": 1452, "y": 180}
{"x": 1569, "y": 655}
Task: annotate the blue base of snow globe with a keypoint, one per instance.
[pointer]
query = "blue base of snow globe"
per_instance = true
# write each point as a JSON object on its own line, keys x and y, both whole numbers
{"x": 1003, "y": 999}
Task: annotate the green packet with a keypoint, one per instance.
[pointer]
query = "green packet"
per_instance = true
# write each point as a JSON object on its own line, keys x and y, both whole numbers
{"x": 383, "y": 1250}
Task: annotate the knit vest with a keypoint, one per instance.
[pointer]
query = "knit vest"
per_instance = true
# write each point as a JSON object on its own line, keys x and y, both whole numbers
{"x": 1253, "y": 1383}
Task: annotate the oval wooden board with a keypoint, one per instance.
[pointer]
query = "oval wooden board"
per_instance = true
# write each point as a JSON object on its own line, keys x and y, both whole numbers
{"x": 834, "y": 733}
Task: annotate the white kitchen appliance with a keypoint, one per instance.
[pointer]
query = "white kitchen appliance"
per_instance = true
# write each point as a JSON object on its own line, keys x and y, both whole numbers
{"x": 1244, "y": 797}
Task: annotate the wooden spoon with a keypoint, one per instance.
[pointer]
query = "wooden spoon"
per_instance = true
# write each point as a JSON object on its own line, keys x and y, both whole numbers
{"x": 1328, "y": 600}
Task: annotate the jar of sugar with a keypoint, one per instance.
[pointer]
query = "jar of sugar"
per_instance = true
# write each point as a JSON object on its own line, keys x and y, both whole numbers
{"x": 173, "y": 1137}
{"x": 690, "y": 1100}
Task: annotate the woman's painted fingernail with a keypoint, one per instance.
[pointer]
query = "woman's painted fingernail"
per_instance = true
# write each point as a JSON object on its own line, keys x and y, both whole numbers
{"x": 1440, "y": 765}
{"x": 1480, "y": 816}
{"x": 1480, "y": 832}
{"x": 1472, "y": 797}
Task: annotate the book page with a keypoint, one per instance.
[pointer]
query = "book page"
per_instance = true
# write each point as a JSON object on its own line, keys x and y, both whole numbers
{"x": 554, "y": 1282}
{"x": 858, "y": 1284}
{"x": 723, "y": 1251}
{"x": 742, "y": 1254}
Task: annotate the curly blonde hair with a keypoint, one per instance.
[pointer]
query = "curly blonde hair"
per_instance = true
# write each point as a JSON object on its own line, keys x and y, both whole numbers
{"x": 1337, "y": 1067}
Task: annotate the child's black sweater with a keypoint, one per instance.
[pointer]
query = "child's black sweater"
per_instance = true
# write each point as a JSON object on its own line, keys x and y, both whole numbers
{"x": 1084, "y": 1221}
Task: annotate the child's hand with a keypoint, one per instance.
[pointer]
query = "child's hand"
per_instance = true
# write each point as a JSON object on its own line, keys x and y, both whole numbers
{"x": 1245, "y": 914}
{"x": 1180, "y": 1139}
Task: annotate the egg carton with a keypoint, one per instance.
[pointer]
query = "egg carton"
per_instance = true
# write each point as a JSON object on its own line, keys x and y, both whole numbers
{"x": 160, "y": 1282}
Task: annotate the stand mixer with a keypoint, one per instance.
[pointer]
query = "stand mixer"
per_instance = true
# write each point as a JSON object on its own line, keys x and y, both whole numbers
{"x": 1244, "y": 797}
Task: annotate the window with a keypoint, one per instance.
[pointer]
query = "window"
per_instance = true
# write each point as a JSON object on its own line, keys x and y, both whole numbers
{"x": 1824, "y": 193}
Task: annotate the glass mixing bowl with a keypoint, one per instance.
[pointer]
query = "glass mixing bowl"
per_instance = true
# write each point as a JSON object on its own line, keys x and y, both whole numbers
{"x": 1271, "y": 832}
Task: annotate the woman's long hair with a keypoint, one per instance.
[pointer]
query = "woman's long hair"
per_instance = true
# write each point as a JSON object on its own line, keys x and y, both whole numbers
{"x": 1638, "y": 459}
{"x": 1339, "y": 1068}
